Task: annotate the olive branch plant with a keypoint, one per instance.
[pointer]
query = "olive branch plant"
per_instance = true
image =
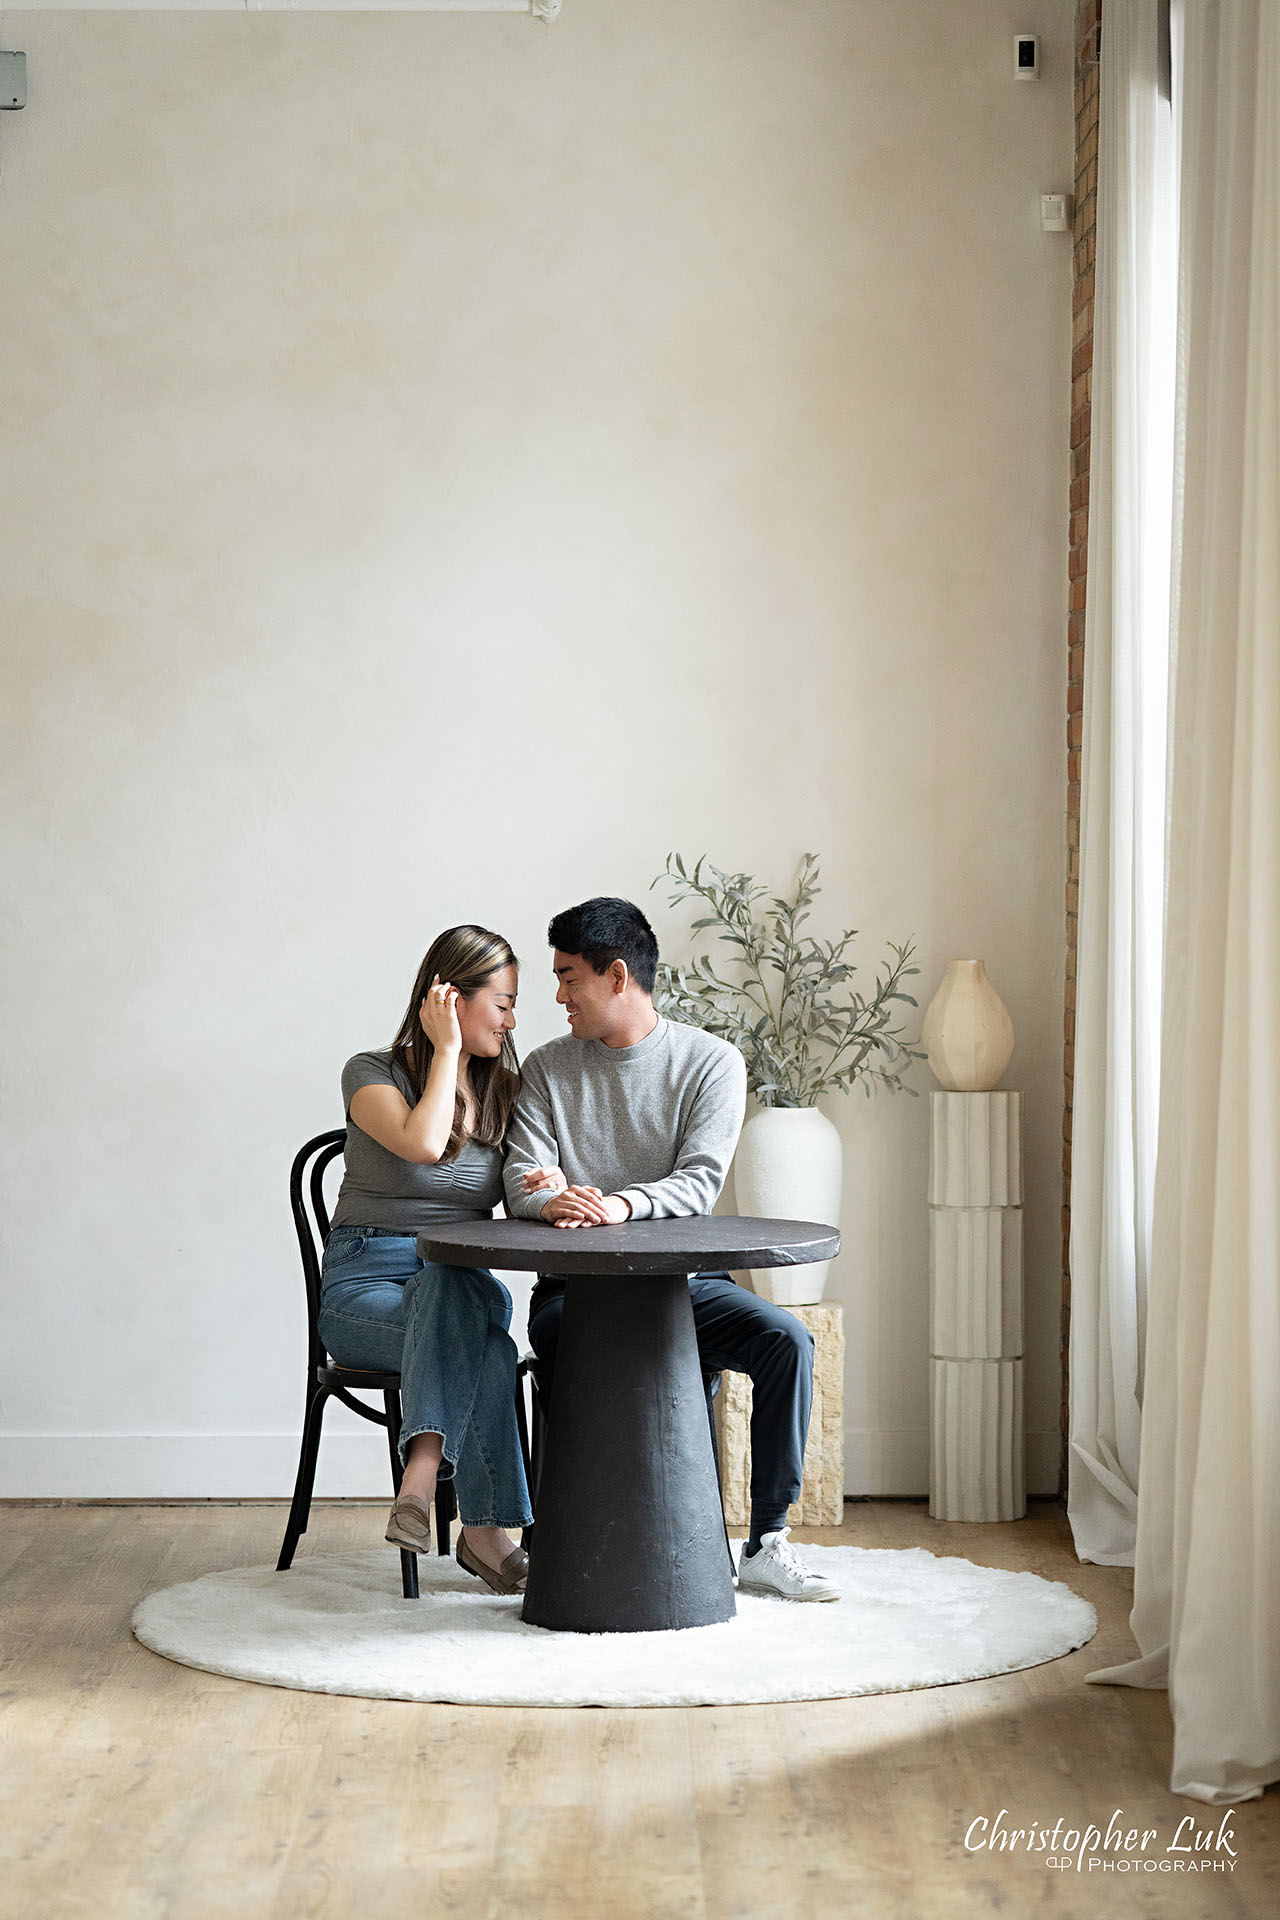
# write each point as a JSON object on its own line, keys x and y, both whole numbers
{"x": 801, "y": 1028}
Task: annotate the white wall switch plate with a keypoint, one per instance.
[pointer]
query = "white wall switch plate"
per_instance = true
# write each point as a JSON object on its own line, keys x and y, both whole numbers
{"x": 13, "y": 80}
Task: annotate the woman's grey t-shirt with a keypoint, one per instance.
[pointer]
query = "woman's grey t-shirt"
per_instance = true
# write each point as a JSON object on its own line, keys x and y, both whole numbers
{"x": 379, "y": 1189}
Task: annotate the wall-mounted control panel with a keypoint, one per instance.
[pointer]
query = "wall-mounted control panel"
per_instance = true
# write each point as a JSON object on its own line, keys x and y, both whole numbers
{"x": 13, "y": 80}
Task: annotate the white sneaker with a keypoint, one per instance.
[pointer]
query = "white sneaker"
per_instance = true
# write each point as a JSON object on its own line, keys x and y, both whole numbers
{"x": 778, "y": 1568}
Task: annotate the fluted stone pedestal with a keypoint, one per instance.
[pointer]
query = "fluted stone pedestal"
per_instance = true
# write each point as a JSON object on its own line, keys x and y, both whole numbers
{"x": 977, "y": 1456}
{"x": 821, "y": 1502}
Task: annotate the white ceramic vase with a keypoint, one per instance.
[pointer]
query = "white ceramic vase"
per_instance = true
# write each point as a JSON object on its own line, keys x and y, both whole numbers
{"x": 789, "y": 1166}
{"x": 968, "y": 1034}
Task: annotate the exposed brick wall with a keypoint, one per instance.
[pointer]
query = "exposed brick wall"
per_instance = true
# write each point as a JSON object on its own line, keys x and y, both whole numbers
{"x": 1088, "y": 35}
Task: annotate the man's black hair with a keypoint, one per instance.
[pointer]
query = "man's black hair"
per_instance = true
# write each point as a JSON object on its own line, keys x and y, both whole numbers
{"x": 604, "y": 930}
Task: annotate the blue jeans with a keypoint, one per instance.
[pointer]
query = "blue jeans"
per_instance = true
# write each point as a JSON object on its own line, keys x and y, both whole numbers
{"x": 444, "y": 1330}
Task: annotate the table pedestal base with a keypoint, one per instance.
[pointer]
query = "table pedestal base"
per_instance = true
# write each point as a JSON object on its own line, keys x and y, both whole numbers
{"x": 629, "y": 1536}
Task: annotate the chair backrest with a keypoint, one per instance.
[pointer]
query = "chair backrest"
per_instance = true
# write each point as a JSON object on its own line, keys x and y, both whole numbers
{"x": 311, "y": 1223}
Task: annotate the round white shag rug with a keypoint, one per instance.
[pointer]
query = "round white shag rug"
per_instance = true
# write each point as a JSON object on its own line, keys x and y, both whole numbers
{"x": 337, "y": 1623}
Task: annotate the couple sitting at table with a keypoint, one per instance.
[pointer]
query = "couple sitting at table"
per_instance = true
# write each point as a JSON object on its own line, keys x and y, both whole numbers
{"x": 627, "y": 1116}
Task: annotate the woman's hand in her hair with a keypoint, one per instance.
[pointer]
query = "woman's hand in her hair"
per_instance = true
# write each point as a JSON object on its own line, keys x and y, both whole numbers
{"x": 544, "y": 1180}
{"x": 439, "y": 1016}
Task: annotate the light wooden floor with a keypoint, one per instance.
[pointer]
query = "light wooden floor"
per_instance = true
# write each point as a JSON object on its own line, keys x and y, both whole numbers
{"x": 133, "y": 1787}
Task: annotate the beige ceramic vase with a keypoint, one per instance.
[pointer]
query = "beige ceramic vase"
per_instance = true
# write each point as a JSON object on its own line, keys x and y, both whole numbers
{"x": 968, "y": 1034}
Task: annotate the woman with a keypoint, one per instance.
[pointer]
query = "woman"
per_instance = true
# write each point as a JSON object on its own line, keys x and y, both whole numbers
{"x": 425, "y": 1121}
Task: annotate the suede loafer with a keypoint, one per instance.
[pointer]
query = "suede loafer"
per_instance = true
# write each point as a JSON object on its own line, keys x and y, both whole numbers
{"x": 409, "y": 1524}
{"x": 506, "y": 1578}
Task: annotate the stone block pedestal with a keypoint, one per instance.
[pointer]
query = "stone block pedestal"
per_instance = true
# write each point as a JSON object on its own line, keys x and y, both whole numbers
{"x": 821, "y": 1502}
{"x": 977, "y": 1453}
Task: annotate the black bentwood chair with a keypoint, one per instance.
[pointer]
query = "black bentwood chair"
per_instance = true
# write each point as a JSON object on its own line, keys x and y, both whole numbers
{"x": 326, "y": 1381}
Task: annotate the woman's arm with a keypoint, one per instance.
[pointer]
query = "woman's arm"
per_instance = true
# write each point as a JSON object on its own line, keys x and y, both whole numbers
{"x": 531, "y": 1148}
{"x": 420, "y": 1133}
{"x": 549, "y": 1179}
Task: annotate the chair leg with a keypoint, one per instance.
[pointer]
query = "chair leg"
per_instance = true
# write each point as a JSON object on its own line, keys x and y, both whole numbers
{"x": 391, "y": 1403}
{"x": 537, "y": 1448}
{"x": 408, "y": 1561}
{"x": 522, "y": 1429}
{"x": 522, "y": 1424}
{"x": 537, "y": 1443}
{"x": 300, "y": 1510}
{"x": 446, "y": 1512}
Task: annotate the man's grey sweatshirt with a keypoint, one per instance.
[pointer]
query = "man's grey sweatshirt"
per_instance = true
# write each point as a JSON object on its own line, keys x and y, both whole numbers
{"x": 657, "y": 1122}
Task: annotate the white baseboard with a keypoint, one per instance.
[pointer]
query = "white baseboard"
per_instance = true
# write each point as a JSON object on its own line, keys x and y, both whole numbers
{"x": 891, "y": 1463}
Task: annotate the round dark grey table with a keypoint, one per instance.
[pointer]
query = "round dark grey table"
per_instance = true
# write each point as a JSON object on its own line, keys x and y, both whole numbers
{"x": 630, "y": 1531}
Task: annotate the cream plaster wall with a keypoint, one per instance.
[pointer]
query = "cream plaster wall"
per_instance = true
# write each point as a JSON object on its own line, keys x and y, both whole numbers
{"x": 444, "y": 463}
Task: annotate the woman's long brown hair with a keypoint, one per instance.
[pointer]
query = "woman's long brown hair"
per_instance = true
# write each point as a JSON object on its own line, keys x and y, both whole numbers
{"x": 466, "y": 957}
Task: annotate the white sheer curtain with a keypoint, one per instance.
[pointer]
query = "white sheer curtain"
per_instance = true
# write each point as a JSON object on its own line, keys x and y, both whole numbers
{"x": 1122, "y": 800}
{"x": 1207, "y": 1571}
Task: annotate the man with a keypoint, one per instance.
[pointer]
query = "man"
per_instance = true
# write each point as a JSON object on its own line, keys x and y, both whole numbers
{"x": 642, "y": 1115}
